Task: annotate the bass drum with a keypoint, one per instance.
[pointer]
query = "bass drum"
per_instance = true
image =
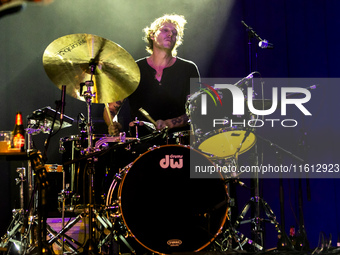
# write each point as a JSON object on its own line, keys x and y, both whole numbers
{"x": 166, "y": 210}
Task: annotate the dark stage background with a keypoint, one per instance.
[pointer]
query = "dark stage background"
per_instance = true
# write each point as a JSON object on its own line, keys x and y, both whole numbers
{"x": 305, "y": 37}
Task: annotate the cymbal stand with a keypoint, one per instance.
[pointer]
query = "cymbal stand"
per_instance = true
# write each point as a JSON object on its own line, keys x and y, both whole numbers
{"x": 88, "y": 95}
{"x": 90, "y": 246}
{"x": 92, "y": 213}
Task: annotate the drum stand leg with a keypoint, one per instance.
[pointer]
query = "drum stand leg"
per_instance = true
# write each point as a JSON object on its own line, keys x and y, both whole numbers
{"x": 118, "y": 227}
{"x": 19, "y": 221}
{"x": 14, "y": 228}
{"x": 232, "y": 237}
{"x": 256, "y": 221}
{"x": 61, "y": 236}
{"x": 118, "y": 238}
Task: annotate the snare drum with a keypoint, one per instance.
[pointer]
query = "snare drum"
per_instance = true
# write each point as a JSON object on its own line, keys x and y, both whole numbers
{"x": 164, "y": 209}
{"x": 219, "y": 133}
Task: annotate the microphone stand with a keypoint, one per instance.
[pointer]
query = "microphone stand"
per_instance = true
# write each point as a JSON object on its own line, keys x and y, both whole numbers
{"x": 279, "y": 150}
{"x": 304, "y": 241}
{"x": 256, "y": 200}
{"x": 258, "y": 235}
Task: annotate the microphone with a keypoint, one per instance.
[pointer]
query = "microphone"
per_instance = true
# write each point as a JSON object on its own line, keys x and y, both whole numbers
{"x": 312, "y": 87}
{"x": 241, "y": 82}
{"x": 63, "y": 91}
{"x": 264, "y": 44}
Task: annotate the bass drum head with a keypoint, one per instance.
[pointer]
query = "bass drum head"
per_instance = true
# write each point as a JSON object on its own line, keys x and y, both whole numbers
{"x": 164, "y": 209}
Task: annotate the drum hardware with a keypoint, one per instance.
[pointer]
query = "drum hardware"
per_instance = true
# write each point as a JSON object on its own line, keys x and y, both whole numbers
{"x": 213, "y": 144}
{"x": 102, "y": 143}
{"x": 55, "y": 237}
{"x": 41, "y": 189}
{"x": 46, "y": 120}
{"x": 257, "y": 231}
{"x": 21, "y": 231}
{"x": 259, "y": 203}
{"x": 42, "y": 120}
{"x": 88, "y": 95}
{"x": 66, "y": 243}
{"x": 21, "y": 181}
{"x": 179, "y": 138}
{"x": 110, "y": 75}
{"x": 256, "y": 221}
{"x": 278, "y": 151}
{"x": 303, "y": 149}
{"x": 231, "y": 237}
{"x": 81, "y": 123}
{"x": 17, "y": 226}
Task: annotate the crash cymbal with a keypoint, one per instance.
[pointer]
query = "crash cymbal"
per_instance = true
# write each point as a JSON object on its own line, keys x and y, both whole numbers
{"x": 67, "y": 61}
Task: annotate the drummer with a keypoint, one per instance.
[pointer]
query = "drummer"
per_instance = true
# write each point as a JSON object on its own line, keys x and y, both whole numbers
{"x": 165, "y": 80}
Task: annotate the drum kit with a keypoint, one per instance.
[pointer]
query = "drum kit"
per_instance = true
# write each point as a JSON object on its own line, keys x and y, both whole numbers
{"x": 152, "y": 201}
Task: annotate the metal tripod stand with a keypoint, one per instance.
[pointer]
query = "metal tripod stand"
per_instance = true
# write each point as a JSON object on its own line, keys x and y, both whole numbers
{"x": 16, "y": 229}
{"x": 231, "y": 236}
{"x": 20, "y": 232}
{"x": 101, "y": 230}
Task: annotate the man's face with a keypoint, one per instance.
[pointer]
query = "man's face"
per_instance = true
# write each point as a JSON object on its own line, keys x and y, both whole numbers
{"x": 165, "y": 37}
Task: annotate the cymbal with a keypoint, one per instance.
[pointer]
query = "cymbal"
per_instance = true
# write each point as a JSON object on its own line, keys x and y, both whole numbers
{"x": 68, "y": 60}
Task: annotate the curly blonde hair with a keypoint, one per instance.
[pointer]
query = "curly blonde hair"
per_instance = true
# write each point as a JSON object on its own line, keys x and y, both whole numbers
{"x": 178, "y": 20}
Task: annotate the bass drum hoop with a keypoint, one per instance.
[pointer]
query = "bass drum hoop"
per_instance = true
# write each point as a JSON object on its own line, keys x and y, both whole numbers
{"x": 121, "y": 185}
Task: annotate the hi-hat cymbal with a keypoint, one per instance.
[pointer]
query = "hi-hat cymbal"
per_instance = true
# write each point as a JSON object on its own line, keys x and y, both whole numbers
{"x": 68, "y": 59}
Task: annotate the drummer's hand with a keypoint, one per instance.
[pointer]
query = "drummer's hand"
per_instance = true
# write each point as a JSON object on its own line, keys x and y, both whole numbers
{"x": 136, "y": 123}
{"x": 161, "y": 124}
{"x": 114, "y": 128}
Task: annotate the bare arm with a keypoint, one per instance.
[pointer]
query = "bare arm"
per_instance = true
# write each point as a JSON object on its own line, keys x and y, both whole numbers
{"x": 180, "y": 121}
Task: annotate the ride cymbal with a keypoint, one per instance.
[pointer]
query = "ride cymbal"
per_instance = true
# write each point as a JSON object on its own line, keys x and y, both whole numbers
{"x": 68, "y": 60}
